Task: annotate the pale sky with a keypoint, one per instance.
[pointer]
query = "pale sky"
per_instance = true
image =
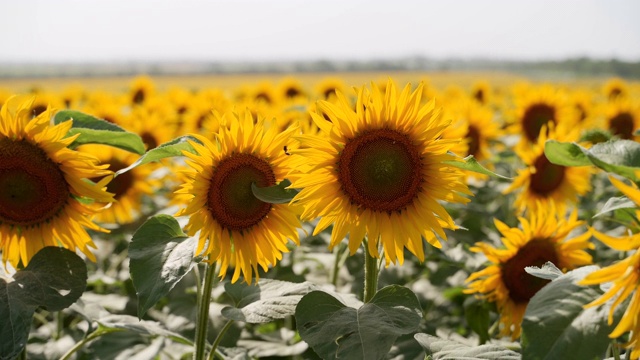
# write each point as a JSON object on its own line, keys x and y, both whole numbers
{"x": 252, "y": 30}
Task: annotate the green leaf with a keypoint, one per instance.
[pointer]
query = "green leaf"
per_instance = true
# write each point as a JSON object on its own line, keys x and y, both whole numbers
{"x": 277, "y": 194}
{"x": 565, "y": 154}
{"x": 161, "y": 255}
{"x": 97, "y": 131}
{"x": 616, "y": 203}
{"x": 621, "y": 157}
{"x": 548, "y": 271}
{"x": 595, "y": 136}
{"x": 476, "y": 312}
{"x": 265, "y": 301}
{"x": 54, "y": 278}
{"x": 442, "y": 349}
{"x": 142, "y": 327}
{"x": 557, "y": 326}
{"x": 471, "y": 164}
{"x": 336, "y": 331}
{"x": 171, "y": 148}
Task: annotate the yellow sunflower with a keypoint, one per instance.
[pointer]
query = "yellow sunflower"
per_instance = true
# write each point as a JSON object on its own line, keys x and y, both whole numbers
{"x": 622, "y": 118}
{"x": 625, "y": 276}
{"x": 141, "y": 89}
{"x": 615, "y": 88}
{"x": 536, "y": 107}
{"x": 234, "y": 225}
{"x": 543, "y": 184}
{"x": 41, "y": 182}
{"x": 481, "y": 92}
{"x": 542, "y": 237}
{"x": 380, "y": 171}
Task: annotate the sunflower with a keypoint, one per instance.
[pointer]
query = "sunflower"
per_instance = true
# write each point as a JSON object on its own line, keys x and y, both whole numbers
{"x": 290, "y": 88}
{"x": 141, "y": 89}
{"x": 380, "y": 171}
{"x": 328, "y": 87}
{"x": 615, "y": 88}
{"x": 625, "y": 276}
{"x": 541, "y": 238}
{"x": 545, "y": 184}
{"x": 536, "y": 108}
{"x": 41, "y": 182}
{"x": 234, "y": 225}
{"x": 622, "y": 118}
{"x": 128, "y": 188}
{"x": 481, "y": 92}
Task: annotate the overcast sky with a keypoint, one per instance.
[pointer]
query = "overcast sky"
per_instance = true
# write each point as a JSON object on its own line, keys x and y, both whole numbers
{"x": 141, "y": 30}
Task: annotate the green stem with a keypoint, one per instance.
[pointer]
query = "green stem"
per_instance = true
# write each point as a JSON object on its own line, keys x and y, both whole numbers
{"x": 202, "y": 322}
{"x": 615, "y": 350}
{"x": 23, "y": 354}
{"x": 214, "y": 352}
{"x": 94, "y": 335}
{"x": 59, "y": 325}
{"x": 371, "y": 270}
{"x": 336, "y": 265}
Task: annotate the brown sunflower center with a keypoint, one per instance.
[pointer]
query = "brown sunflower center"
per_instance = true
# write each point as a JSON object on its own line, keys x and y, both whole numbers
{"x": 380, "y": 170}
{"x": 121, "y": 184}
{"x": 535, "y": 117}
{"x": 547, "y": 178}
{"x": 521, "y": 285}
{"x": 138, "y": 96}
{"x": 292, "y": 92}
{"x": 32, "y": 187}
{"x": 479, "y": 95}
{"x": 473, "y": 134}
{"x": 38, "y": 109}
{"x": 149, "y": 140}
{"x": 329, "y": 92}
{"x": 230, "y": 199}
{"x": 622, "y": 125}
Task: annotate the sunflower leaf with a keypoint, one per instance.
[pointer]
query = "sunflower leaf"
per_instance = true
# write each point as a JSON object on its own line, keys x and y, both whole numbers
{"x": 557, "y": 326}
{"x": 171, "y": 148}
{"x": 439, "y": 348}
{"x": 97, "y": 131}
{"x": 54, "y": 278}
{"x": 621, "y": 157}
{"x": 265, "y": 301}
{"x": 616, "y": 203}
{"x": 161, "y": 255}
{"x": 548, "y": 271}
{"x": 470, "y": 163}
{"x": 337, "y": 331}
{"x": 277, "y": 194}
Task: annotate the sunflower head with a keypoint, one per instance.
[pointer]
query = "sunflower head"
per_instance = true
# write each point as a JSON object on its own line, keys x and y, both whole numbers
{"x": 41, "y": 182}
{"x": 379, "y": 170}
{"x": 542, "y": 237}
{"x": 235, "y": 226}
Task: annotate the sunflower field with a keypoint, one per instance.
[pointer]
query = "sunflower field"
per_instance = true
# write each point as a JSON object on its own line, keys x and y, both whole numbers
{"x": 324, "y": 220}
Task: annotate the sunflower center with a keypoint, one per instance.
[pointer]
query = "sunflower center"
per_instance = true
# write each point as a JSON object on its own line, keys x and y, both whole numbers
{"x": 231, "y": 201}
{"x": 521, "y": 285}
{"x": 32, "y": 187}
{"x": 38, "y": 109}
{"x": 120, "y": 184}
{"x": 473, "y": 135}
{"x": 138, "y": 97}
{"x": 380, "y": 170}
{"x": 149, "y": 140}
{"x": 479, "y": 95}
{"x": 535, "y": 117}
{"x": 622, "y": 125}
{"x": 547, "y": 178}
{"x": 292, "y": 92}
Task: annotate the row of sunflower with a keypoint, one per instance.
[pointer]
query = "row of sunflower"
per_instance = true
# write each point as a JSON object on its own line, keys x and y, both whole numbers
{"x": 377, "y": 170}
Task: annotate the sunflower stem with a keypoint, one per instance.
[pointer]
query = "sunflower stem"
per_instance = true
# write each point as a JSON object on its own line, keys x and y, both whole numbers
{"x": 340, "y": 251}
{"x": 214, "y": 351}
{"x": 615, "y": 350}
{"x": 371, "y": 270}
{"x": 202, "y": 321}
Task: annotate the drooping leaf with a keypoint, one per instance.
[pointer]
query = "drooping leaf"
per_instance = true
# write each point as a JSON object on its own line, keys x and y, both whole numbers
{"x": 470, "y": 163}
{"x": 616, "y": 203}
{"x": 143, "y": 327}
{"x": 54, "y": 278}
{"x": 547, "y": 271}
{"x": 265, "y": 301}
{"x": 621, "y": 157}
{"x": 161, "y": 255}
{"x": 557, "y": 326}
{"x": 97, "y": 131}
{"x": 442, "y": 349}
{"x": 169, "y": 149}
{"x": 336, "y": 331}
{"x": 277, "y": 194}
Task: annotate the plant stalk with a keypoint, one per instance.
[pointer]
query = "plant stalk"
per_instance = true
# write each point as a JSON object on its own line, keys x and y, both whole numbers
{"x": 214, "y": 354}
{"x": 371, "y": 271}
{"x": 202, "y": 322}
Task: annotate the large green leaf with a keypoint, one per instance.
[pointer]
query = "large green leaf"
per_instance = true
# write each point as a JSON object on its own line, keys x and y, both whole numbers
{"x": 336, "y": 331}
{"x": 265, "y": 301}
{"x": 97, "y": 131}
{"x": 54, "y": 278}
{"x": 277, "y": 194}
{"x": 169, "y": 149}
{"x": 616, "y": 203}
{"x": 470, "y": 163}
{"x": 621, "y": 157}
{"x": 557, "y": 326}
{"x": 161, "y": 255}
{"x": 442, "y": 349}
